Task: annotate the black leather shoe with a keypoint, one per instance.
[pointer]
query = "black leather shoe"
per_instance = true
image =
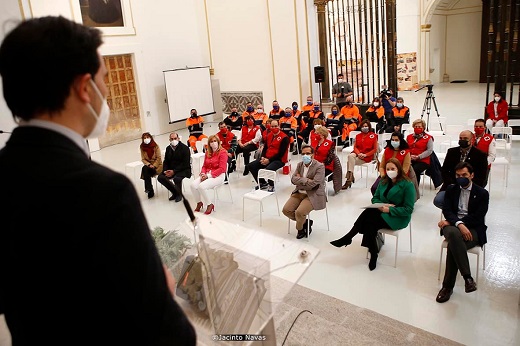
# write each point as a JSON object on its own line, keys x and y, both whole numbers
{"x": 301, "y": 234}
{"x": 150, "y": 194}
{"x": 178, "y": 198}
{"x": 444, "y": 295}
{"x": 172, "y": 198}
{"x": 341, "y": 242}
{"x": 470, "y": 285}
{"x": 246, "y": 172}
{"x": 373, "y": 261}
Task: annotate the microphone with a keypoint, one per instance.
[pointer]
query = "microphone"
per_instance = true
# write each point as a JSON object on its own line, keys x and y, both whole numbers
{"x": 186, "y": 204}
{"x": 4, "y": 132}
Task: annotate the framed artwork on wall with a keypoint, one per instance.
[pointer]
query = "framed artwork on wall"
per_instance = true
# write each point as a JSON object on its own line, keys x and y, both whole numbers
{"x": 112, "y": 17}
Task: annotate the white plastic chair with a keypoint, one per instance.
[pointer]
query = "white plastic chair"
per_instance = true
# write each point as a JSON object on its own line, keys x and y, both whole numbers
{"x": 405, "y": 129}
{"x": 503, "y": 158}
{"x": 396, "y": 233}
{"x": 477, "y": 250}
{"x": 225, "y": 182}
{"x": 237, "y": 133}
{"x": 259, "y": 195}
{"x": 199, "y": 156}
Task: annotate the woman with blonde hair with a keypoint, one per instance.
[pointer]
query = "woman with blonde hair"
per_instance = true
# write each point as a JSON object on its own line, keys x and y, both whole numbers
{"x": 212, "y": 173}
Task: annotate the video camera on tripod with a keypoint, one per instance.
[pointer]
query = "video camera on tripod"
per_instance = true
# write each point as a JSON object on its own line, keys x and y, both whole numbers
{"x": 385, "y": 93}
{"x": 429, "y": 99}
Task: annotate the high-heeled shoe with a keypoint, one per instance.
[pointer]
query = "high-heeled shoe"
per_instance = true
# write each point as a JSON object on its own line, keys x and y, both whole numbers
{"x": 341, "y": 242}
{"x": 373, "y": 261}
{"x": 209, "y": 209}
{"x": 199, "y": 206}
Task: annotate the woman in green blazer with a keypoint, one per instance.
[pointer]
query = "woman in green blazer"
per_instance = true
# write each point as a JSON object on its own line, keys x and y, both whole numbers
{"x": 397, "y": 194}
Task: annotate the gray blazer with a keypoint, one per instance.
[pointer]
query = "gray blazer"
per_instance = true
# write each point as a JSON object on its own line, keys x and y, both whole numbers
{"x": 314, "y": 183}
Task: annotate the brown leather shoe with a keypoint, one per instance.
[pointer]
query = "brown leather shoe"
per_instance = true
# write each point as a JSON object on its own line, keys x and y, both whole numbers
{"x": 444, "y": 295}
{"x": 199, "y": 206}
{"x": 470, "y": 285}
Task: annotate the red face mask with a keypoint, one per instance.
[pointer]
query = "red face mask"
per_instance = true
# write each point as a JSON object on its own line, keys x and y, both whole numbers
{"x": 417, "y": 130}
{"x": 250, "y": 122}
{"x": 275, "y": 130}
{"x": 479, "y": 130}
{"x": 224, "y": 130}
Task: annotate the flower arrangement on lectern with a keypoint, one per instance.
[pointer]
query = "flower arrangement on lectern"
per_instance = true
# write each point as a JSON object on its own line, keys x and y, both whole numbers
{"x": 171, "y": 245}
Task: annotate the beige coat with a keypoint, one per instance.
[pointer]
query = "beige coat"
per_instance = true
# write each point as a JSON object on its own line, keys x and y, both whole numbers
{"x": 314, "y": 183}
{"x": 156, "y": 159}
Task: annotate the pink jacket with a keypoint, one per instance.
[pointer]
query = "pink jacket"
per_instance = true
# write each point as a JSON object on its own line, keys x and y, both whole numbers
{"x": 216, "y": 164}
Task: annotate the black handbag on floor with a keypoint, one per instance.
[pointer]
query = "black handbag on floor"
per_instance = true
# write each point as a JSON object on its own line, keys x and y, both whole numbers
{"x": 380, "y": 241}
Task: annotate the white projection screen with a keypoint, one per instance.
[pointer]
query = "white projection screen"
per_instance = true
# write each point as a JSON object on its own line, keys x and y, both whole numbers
{"x": 188, "y": 88}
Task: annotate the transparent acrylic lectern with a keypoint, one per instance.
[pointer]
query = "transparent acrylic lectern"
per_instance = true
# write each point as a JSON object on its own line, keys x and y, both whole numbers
{"x": 232, "y": 280}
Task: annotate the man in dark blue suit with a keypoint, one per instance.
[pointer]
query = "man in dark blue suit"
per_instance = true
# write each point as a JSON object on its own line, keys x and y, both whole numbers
{"x": 74, "y": 238}
{"x": 465, "y": 207}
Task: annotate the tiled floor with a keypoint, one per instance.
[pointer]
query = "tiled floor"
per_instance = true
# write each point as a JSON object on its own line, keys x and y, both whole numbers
{"x": 489, "y": 316}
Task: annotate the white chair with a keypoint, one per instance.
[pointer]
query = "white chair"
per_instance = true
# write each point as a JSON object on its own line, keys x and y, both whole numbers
{"x": 237, "y": 133}
{"x": 259, "y": 195}
{"x": 395, "y": 233}
{"x": 405, "y": 129}
{"x": 225, "y": 182}
{"x": 199, "y": 156}
{"x": 454, "y": 132}
{"x": 503, "y": 158}
{"x": 132, "y": 166}
{"x": 382, "y": 139}
{"x": 511, "y": 123}
{"x": 477, "y": 250}
{"x": 309, "y": 215}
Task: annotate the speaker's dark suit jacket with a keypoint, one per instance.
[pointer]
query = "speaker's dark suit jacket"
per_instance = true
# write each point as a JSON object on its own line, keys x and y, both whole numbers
{"x": 78, "y": 265}
{"x": 476, "y": 158}
{"x": 477, "y": 208}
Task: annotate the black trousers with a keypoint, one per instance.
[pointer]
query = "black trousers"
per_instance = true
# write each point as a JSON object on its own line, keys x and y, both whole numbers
{"x": 167, "y": 183}
{"x": 457, "y": 254}
{"x": 246, "y": 150}
{"x": 418, "y": 168}
{"x": 146, "y": 174}
{"x": 255, "y": 166}
{"x": 368, "y": 223}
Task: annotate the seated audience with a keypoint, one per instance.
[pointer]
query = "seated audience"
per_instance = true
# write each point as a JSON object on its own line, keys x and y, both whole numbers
{"x": 309, "y": 193}
{"x": 497, "y": 112}
{"x": 325, "y": 152}
{"x": 309, "y": 106}
{"x": 352, "y": 118}
{"x": 260, "y": 117}
{"x": 465, "y": 207}
{"x": 212, "y": 173}
{"x": 195, "y": 124}
{"x": 234, "y": 121}
{"x": 485, "y": 143}
{"x": 273, "y": 157}
{"x": 176, "y": 166}
{"x": 376, "y": 114}
{"x": 249, "y": 141}
{"x": 151, "y": 158}
{"x": 365, "y": 147}
{"x": 465, "y": 152}
{"x": 421, "y": 147}
{"x": 313, "y": 136}
{"x": 398, "y": 194}
{"x": 289, "y": 125}
{"x": 250, "y": 110}
{"x": 229, "y": 142}
{"x": 276, "y": 113}
{"x": 400, "y": 115}
{"x": 397, "y": 148}
{"x": 334, "y": 121}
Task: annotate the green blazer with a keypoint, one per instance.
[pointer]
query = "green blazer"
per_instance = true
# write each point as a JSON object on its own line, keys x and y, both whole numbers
{"x": 402, "y": 195}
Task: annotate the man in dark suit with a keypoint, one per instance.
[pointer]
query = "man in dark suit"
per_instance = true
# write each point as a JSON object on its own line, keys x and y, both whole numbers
{"x": 176, "y": 166}
{"x": 74, "y": 239}
{"x": 465, "y": 152}
{"x": 465, "y": 207}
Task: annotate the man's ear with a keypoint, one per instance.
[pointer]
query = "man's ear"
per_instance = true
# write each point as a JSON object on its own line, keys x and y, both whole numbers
{"x": 81, "y": 87}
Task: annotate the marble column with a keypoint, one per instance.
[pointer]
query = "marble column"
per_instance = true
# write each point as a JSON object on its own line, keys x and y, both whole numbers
{"x": 322, "y": 44}
{"x": 424, "y": 66}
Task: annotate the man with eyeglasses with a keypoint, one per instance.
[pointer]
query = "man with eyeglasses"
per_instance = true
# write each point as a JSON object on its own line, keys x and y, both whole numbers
{"x": 176, "y": 166}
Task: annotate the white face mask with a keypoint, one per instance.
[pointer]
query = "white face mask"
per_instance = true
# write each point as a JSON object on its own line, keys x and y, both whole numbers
{"x": 340, "y": 80}
{"x": 376, "y": 104}
{"x": 497, "y": 99}
{"x": 260, "y": 110}
{"x": 399, "y": 104}
{"x": 147, "y": 140}
{"x": 317, "y": 127}
{"x": 214, "y": 145}
{"x": 175, "y": 142}
{"x": 101, "y": 119}
{"x": 391, "y": 174}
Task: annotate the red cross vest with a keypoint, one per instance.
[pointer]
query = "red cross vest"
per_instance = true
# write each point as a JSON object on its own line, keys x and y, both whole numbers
{"x": 419, "y": 146}
{"x": 249, "y": 134}
{"x": 399, "y": 155}
{"x": 322, "y": 151}
{"x": 483, "y": 143}
{"x": 273, "y": 145}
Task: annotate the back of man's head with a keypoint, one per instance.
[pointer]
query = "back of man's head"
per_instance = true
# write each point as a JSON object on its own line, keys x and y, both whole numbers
{"x": 39, "y": 61}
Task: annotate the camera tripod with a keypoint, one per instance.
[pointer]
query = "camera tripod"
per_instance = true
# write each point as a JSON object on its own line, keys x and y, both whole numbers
{"x": 428, "y": 106}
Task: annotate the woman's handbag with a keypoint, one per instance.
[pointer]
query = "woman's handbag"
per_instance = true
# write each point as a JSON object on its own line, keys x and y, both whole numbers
{"x": 380, "y": 241}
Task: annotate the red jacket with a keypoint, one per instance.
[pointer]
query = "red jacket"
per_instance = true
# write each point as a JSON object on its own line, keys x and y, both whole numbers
{"x": 366, "y": 143}
{"x": 418, "y": 146}
{"x": 321, "y": 152}
{"x": 249, "y": 134}
{"x": 276, "y": 147}
{"x": 215, "y": 164}
{"x": 502, "y": 110}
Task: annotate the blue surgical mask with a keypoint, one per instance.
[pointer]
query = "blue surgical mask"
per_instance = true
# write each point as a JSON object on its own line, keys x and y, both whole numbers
{"x": 295, "y": 107}
{"x": 395, "y": 144}
{"x": 462, "y": 181}
{"x": 276, "y": 107}
{"x": 306, "y": 159}
{"x": 249, "y": 109}
{"x": 399, "y": 105}
{"x": 316, "y": 108}
{"x": 288, "y": 114}
{"x": 334, "y": 112}
{"x": 309, "y": 103}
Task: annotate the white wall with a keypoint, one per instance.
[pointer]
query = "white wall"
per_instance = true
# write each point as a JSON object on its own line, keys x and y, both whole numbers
{"x": 408, "y": 26}
{"x": 438, "y": 48}
{"x": 9, "y": 16}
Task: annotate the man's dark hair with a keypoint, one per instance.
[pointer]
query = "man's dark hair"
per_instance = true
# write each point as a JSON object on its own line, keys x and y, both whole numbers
{"x": 39, "y": 61}
{"x": 480, "y": 120}
{"x": 464, "y": 164}
{"x": 305, "y": 146}
{"x": 221, "y": 123}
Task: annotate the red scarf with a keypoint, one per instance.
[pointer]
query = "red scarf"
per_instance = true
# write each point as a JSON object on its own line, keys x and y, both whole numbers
{"x": 149, "y": 149}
